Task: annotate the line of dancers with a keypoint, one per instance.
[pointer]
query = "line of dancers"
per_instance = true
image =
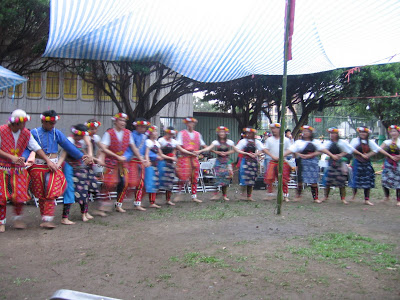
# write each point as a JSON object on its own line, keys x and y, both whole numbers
{"x": 139, "y": 161}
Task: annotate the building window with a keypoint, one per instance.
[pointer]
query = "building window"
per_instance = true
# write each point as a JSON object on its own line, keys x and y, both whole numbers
{"x": 53, "y": 85}
{"x": 134, "y": 93}
{"x": 18, "y": 91}
{"x": 87, "y": 89}
{"x": 34, "y": 90}
{"x": 2, "y": 93}
{"x": 70, "y": 91}
{"x": 103, "y": 96}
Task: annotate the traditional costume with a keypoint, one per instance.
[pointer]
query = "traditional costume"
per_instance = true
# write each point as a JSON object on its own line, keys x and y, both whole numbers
{"x": 188, "y": 166}
{"x": 363, "y": 172}
{"x": 248, "y": 165}
{"x": 116, "y": 174}
{"x": 136, "y": 177}
{"x": 95, "y": 140}
{"x": 46, "y": 185}
{"x": 307, "y": 169}
{"x": 151, "y": 180}
{"x": 391, "y": 168}
{"x": 271, "y": 174}
{"x": 166, "y": 166}
{"x": 14, "y": 178}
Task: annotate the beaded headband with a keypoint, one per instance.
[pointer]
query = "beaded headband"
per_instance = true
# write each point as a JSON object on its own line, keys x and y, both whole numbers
{"x": 307, "y": 127}
{"x": 333, "y": 130}
{"x": 78, "y": 132}
{"x": 93, "y": 124}
{"x": 151, "y": 129}
{"x": 19, "y": 119}
{"x": 363, "y": 129}
{"x": 141, "y": 123}
{"x": 48, "y": 118}
{"x": 394, "y": 127}
{"x": 248, "y": 129}
{"x": 189, "y": 119}
{"x": 222, "y": 128}
{"x": 274, "y": 125}
{"x": 170, "y": 131}
{"x": 119, "y": 115}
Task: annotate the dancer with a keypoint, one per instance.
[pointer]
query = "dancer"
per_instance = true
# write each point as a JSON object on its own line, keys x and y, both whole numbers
{"x": 98, "y": 156}
{"x": 167, "y": 167}
{"x": 14, "y": 179}
{"x": 47, "y": 182}
{"x": 391, "y": 171}
{"x": 307, "y": 150}
{"x": 223, "y": 170}
{"x": 363, "y": 172}
{"x": 272, "y": 149}
{"x": 154, "y": 155}
{"x": 77, "y": 174}
{"x": 114, "y": 143}
{"x": 188, "y": 165}
{"x": 248, "y": 163}
{"x": 136, "y": 177}
{"x": 337, "y": 172}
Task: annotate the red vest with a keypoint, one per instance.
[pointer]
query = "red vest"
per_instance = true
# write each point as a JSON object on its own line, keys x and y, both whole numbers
{"x": 115, "y": 145}
{"x": 8, "y": 142}
{"x": 188, "y": 143}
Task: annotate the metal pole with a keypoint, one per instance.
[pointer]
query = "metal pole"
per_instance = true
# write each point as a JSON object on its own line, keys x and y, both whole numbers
{"x": 283, "y": 111}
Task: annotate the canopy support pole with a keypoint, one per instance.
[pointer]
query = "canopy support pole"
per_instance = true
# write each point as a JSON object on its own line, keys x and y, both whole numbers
{"x": 283, "y": 110}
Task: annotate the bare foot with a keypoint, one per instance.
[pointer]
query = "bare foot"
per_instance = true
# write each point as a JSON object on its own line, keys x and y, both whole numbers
{"x": 18, "y": 224}
{"x": 250, "y": 199}
{"x": 297, "y": 199}
{"x": 84, "y": 218}
{"x": 48, "y": 225}
{"x": 286, "y": 199}
{"x": 154, "y": 206}
{"x": 120, "y": 209}
{"x": 2, "y": 228}
{"x": 178, "y": 197}
{"x": 226, "y": 198}
{"x": 170, "y": 203}
{"x": 196, "y": 200}
{"x": 138, "y": 207}
{"x": 64, "y": 221}
{"x": 345, "y": 202}
{"x": 352, "y": 199}
{"x": 317, "y": 201}
{"x": 105, "y": 208}
{"x": 89, "y": 216}
{"x": 325, "y": 199}
{"x": 368, "y": 203}
{"x": 100, "y": 213}
{"x": 398, "y": 203}
{"x": 216, "y": 196}
{"x": 386, "y": 200}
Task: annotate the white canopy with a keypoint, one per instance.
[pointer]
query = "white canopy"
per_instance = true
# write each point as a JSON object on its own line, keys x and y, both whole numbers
{"x": 221, "y": 40}
{"x": 9, "y": 78}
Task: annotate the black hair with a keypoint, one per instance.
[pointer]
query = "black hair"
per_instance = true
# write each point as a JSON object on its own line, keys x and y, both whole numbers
{"x": 311, "y": 136}
{"x": 49, "y": 113}
{"x": 287, "y": 130}
{"x": 140, "y": 119}
{"x": 92, "y": 121}
{"x": 171, "y": 128}
{"x": 81, "y": 127}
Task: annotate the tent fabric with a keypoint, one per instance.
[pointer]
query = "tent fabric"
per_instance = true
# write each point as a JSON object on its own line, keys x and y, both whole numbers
{"x": 215, "y": 41}
{"x": 9, "y": 78}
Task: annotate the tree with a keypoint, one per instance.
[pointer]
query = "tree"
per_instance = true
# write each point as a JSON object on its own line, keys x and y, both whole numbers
{"x": 153, "y": 84}
{"x": 24, "y": 27}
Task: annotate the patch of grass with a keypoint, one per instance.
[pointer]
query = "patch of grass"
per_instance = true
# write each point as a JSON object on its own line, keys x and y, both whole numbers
{"x": 82, "y": 262}
{"x": 19, "y": 281}
{"x": 238, "y": 270}
{"x": 195, "y": 258}
{"x": 174, "y": 258}
{"x": 241, "y": 258}
{"x": 339, "y": 247}
{"x": 100, "y": 222}
{"x": 165, "y": 277}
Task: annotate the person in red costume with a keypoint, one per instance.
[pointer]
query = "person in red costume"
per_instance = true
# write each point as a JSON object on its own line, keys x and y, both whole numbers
{"x": 14, "y": 139}
{"x": 188, "y": 166}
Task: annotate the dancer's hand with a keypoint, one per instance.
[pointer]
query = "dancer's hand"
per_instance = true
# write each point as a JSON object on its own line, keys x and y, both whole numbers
{"x": 52, "y": 166}
{"x": 275, "y": 158}
{"x": 121, "y": 158}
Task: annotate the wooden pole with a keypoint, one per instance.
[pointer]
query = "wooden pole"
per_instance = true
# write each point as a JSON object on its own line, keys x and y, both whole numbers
{"x": 283, "y": 111}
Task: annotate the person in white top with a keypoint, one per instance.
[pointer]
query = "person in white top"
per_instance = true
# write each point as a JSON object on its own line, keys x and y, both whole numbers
{"x": 307, "y": 150}
{"x": 14, "y": 139}
{"x": 248, "y": 164}
{"x": 153, "y": 154}
{"x": 363, "y": 172}
{"x": 223, "y": 170}
{"x": 337, "y": 171}
{"x": 271, "y": 173}
{"x": 114, "y": 144}
{"x": 188, "y": 166}
{"x": 391, "y": 170}
{"x": 167, "y": 167}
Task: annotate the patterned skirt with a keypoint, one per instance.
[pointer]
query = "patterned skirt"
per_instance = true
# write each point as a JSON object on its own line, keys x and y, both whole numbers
{"x": 223, "y": 173}
{"x": 151, "y": 178}
{"x": 248, "y": 171}
{"x": 167, "y": 175}
{"x": 335, "y": 174}
{"x": 363, "y": 175}
{"x": 93, "y": 185}
{"x": 13, "y": 184}
{"x": 391, "y": 175}
{"x": 45, "y": 184}
{"x": 310, "y": 170}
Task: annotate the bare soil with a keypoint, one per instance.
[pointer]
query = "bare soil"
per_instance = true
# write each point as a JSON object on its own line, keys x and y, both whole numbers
{"x": 213, "y": 250}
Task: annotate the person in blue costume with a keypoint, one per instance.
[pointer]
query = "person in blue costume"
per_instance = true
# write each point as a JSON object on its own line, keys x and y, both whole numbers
{"x": 46, "y": 184}
{"x": 139, "y": 137}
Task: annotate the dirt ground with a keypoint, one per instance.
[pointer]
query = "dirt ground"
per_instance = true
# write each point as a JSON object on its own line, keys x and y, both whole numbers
{"x": 213, "y": 250}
